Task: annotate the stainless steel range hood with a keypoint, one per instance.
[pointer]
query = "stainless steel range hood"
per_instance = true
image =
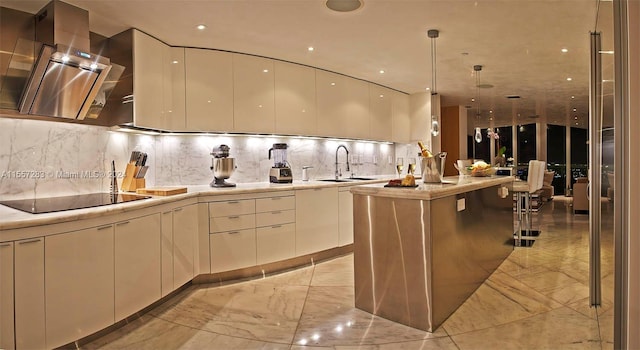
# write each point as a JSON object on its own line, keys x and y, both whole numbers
{"x": 67, "y": 80}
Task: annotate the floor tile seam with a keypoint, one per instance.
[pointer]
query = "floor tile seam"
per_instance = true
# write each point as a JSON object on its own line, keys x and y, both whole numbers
{"x": 541, "y": 292}
{"x": 509, "y": 322}
{"x": 218, "y": 333}
{"x": 518, "y": 303}
{"x": 304, "y": 305}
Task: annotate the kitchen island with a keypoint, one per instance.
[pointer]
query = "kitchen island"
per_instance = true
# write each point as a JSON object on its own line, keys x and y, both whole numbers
{"x": 419, "y": 253}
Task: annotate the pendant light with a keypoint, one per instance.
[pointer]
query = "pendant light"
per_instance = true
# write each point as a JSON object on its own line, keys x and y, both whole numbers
{"x": 478, "y": 136}
{"x": 435, "y": 105}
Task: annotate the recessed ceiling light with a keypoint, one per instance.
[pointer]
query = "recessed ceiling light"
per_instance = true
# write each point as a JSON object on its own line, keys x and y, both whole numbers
{"x": 310, "y": 48}
{"x": 576, "y": 117}
{"x": 569, "y": 79}
{"x": 573, "y": 97}
{"x": 381, "y": 71}
{"x": 174, "y": 62}
{"x": 381, "y": 96}
{"x": 265, "y": 70}
{"x": 333, "y": 84}
{"x": 428, "y": 89}
{"x": 201, "y": 27}
{"x": 564, "y": 50}
{"x": 575, "y": 109}
{"x": 344, "y": 5}
{"x": 607, "y": 52}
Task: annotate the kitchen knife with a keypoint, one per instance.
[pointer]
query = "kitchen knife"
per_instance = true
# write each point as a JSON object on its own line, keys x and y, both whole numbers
{"x": 141, "y": 172}
{"x": 144, "y": 159}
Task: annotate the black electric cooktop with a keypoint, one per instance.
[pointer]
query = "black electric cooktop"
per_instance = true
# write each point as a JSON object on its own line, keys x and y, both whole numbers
{"x": 53, "y": 204}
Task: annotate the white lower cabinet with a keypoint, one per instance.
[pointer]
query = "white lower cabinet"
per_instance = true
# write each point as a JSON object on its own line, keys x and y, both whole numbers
{"x": 345, "y": 216}
{"x": 6, "y": 296}
{"x": 275, "y": 243}
{"x": 78, "y": 284}
{"x": 233, "y": 250}
{"x": 185, "y": 230}
{"x": 29, "y": 294}
{"x": 137, "y": 264}
{"x": 316, "y": 220}
{"x": 166, "y": 255}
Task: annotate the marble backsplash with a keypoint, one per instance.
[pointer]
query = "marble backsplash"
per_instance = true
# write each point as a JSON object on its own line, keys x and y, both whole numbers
{"x": 39, "y": 158}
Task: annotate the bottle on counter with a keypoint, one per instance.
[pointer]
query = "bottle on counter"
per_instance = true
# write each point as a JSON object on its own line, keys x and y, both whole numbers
{"x": 424, "y": 151}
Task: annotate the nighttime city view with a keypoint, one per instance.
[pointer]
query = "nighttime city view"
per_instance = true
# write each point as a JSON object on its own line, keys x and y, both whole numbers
{"x": 526, "y": 144}
{"x": 557, "y": 156}
{"x": 505, "y": 140}
{"x": 579, "y": 154}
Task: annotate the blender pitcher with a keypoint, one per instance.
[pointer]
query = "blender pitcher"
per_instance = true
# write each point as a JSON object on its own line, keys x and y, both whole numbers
{"x": 279, "y": 151}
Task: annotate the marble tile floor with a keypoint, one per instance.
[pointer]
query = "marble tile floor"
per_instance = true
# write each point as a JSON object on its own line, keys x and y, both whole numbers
{"x": 537, "y": 299}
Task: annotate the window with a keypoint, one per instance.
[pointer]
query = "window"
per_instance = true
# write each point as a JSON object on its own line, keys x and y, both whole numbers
{"x": 557, "y": 156}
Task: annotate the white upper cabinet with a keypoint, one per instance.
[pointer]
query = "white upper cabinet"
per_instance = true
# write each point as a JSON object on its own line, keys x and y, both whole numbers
{"x": 401, "y": 119}
{"x": 209, "y": 90}
{"x": 147, "y": 81}
{"x": 253, "y": 94}
{"x": 356, "y": 122}
{"x": 295, "y": 99}
{"x": 330, "y": 95}
{"x": 158, "y": 84}
{"x": 381, "y": 111}
{"x": 174, "y": 89}
{"x": 343, "y": 106}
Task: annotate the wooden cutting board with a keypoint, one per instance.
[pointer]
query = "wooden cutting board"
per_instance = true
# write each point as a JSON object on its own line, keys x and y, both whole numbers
{"x": 161, "y": 191}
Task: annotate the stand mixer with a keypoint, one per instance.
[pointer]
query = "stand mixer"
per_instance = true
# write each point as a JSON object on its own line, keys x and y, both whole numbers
{"x": 222, "y": 167}
{"x": 280, "y": 172}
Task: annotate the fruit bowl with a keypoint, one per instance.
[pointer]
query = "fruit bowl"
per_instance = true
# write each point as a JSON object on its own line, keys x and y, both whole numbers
{"x": 483, "y": 172}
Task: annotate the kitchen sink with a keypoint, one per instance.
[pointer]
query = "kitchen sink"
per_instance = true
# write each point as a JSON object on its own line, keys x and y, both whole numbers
{"x": 361, "y": 178}
{"x": 334, "y": 180}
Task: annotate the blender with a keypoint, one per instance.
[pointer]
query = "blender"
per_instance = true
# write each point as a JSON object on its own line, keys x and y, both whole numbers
{"x": 222, "y": 167}
{"x": 280, "y": 172}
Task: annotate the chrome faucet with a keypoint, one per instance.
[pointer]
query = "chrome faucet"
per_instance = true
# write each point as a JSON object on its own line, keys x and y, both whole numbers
{"x": 339, "y": 171}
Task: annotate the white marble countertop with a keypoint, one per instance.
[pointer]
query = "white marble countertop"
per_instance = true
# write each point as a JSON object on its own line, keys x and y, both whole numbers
{"x": 427, "y": 191}
{"x": 14, "y": 219}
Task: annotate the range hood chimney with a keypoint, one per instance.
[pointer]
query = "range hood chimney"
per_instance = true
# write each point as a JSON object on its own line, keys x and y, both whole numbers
{"x": 67, "y": 80}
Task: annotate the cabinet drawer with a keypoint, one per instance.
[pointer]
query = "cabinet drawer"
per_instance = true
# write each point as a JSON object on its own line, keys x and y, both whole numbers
{"x": 277, "y": 217}
{"x": 275, "y": 203}
{"x": 228, "y": 208}
{"x": 232, "y": 223}
{"x": 232, "y": 250}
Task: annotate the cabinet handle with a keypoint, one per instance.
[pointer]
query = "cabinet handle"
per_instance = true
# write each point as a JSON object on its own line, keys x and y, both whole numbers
{"x": 276, "y": 212}
{"x": 233, "y": 202}
{"x": 5, "y": 245}
{"x": 166, "y": 212}
{"x": 234, "y": 217}
{"x": 30, "y": 241}
{"x": 123, "y": 223}
{"x": 276, "y": 198}
{"x": 233, "y": 232}
{"x": 178, "y": 209}
{"x": 103, "y": 227}
{"x": 276, "y": 226}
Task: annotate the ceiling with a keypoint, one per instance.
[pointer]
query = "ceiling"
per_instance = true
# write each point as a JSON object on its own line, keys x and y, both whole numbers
{"x": 518, "y": 43}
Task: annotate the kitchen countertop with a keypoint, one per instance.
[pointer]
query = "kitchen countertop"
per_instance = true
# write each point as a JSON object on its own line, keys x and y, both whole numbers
{"x": 15, "y": 219}
{"x": 452, "y": 185}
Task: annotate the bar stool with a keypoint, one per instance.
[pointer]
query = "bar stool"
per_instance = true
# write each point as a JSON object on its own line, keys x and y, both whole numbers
{"x": 535, "y": 179}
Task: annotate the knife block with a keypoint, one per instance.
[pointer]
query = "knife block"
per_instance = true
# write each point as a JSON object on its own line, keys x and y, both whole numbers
{"x": 130, "y": 182}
